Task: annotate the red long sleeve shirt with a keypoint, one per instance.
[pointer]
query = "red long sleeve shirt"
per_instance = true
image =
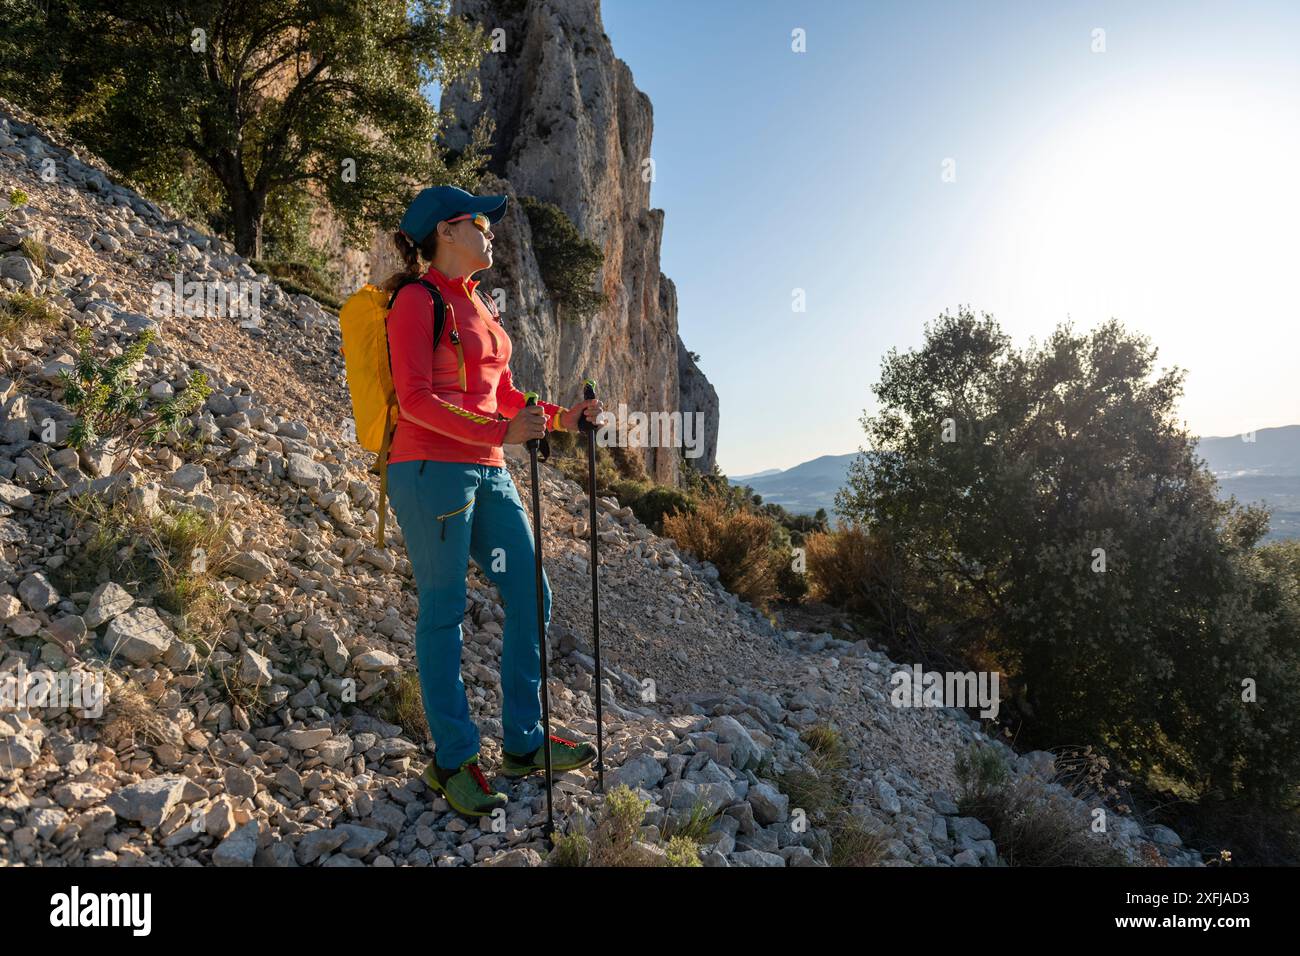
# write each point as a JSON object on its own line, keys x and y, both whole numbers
{"x": 451, "y": 401}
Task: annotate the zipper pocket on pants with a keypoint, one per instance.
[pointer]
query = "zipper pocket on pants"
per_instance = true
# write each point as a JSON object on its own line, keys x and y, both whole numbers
{"x": 441, "y": 518}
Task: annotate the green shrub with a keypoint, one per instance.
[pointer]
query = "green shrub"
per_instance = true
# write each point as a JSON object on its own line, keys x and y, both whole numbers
{"x": 18, "y": 197}
{"x": 402, "y": 703}
{"x": 683, "y": 851}
{"x": 629, "y": 492}
{"x": 658, "y": 501}
{"x": 737, "y": 542}
{"x": 1030, "y": 825}
{"x": 569, "y": 263}
{"x": 570, "y": 849}
{"x": 792, "y": 585}
{"x": 1059, "y": 527}
{"x": 982, "y": 774}
{"x": 619, "y": 825}
{"x": 111, "y": 406}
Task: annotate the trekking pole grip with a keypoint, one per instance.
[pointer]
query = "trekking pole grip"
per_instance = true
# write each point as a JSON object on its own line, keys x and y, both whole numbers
{"x": 532, "y": 443}
{"x": 588, "y": 393}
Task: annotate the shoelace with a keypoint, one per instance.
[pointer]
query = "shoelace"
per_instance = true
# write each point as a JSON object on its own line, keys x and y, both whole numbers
{"x": 477, "y": 774}
{"x": 561, "y": 740}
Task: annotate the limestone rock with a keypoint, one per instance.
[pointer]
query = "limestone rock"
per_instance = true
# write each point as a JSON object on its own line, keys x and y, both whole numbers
{"x": 139, "y": 635}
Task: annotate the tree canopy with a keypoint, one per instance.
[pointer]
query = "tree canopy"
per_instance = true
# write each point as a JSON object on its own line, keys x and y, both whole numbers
{"x": 227, "y": 104}
{"x": 1060, "y": 527}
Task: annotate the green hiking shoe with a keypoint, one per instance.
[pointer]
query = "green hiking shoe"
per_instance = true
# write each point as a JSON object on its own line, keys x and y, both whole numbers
{"x": 565, "y": 755}
{"x": 466, "y": 789}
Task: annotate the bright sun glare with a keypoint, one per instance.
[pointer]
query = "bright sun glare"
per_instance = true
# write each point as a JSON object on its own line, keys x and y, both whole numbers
{"x": 1176, "y": 213}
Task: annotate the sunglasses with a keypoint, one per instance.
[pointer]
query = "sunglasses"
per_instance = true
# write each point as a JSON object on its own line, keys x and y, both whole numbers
{"x": 480, "y": 222}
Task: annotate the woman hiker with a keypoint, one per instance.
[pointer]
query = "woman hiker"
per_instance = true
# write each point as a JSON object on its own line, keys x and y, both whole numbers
{"x": 455, "y": 499}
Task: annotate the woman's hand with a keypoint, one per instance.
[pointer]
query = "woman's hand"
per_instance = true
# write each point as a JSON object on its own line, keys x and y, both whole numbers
{"x": 588, "y": 407}
{"x": 528, "y": 424}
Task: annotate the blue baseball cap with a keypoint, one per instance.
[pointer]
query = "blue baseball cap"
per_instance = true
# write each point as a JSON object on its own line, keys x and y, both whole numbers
{"x": 437, "y": 203}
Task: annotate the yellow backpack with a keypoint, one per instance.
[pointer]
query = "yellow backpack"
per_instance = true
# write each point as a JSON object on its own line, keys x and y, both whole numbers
{"x": 363, "y": 324}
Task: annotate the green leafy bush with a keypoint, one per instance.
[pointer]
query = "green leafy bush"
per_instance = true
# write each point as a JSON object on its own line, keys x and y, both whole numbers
{"x": 1054, "y": 522}
{"x": 683, "y": 851}
{"x": 658, "y": 502}
{"x": 111, "y": 406}
{"x": 569, "y": 263}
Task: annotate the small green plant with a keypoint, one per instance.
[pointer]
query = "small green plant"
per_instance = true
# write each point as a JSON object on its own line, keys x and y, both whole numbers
{"x": 821, "y": 791}
{"x": 653, "y": 506}
{"x": 18, "y": 198}
{"x": 401, "y": 703}
{"x": 170, "y": 556}
{"x": 188, "y": 547}
{"x": 570, "y": 849}
{"x": 105, "y": 553}
{"x": 21, "y": 313}
{"x": 853, "y": 843}
{"x": 695, "y": 826}
{"x": 34, "y": 250}
{"x": 825, "y": 740}
{"x": 982, "y": 774}
{"x": 683, "y": 851}
{"x": 617, "y": 830}
{"x": 111, "y": 406}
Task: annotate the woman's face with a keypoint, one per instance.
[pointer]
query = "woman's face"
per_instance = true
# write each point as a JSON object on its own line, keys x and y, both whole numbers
{"x": 474, "y": 244}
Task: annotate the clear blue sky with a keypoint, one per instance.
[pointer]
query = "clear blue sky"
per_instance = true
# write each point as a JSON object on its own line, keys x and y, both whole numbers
{"x": 1155, "y": 181}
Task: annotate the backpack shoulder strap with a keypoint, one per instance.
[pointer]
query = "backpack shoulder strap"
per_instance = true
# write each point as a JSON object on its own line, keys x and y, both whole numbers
{"x": 439, "y": 307}
{"x": 439, "y": 311}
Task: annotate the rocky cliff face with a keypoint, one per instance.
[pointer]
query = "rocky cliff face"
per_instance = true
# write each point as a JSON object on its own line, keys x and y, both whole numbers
{"x": 572, "y": 129}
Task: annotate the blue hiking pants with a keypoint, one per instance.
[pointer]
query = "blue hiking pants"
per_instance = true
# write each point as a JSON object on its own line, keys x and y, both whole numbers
{"x": 450, "y": 512}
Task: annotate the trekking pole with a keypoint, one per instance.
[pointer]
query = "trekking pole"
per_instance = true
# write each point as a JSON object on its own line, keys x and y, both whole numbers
{"x": 532, "y": 445}
{"x": 589, "y": 392}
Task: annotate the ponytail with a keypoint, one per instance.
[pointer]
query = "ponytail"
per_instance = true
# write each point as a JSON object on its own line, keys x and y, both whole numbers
{"x": 410, "y": 254}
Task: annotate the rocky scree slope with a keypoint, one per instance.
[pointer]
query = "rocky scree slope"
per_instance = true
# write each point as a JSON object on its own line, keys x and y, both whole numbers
{"x": 178, "y": 771}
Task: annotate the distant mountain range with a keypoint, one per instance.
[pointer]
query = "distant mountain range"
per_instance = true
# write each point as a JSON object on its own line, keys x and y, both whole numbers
{"x": 1265, "y": 470}
{"x": 804, "y": 488}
